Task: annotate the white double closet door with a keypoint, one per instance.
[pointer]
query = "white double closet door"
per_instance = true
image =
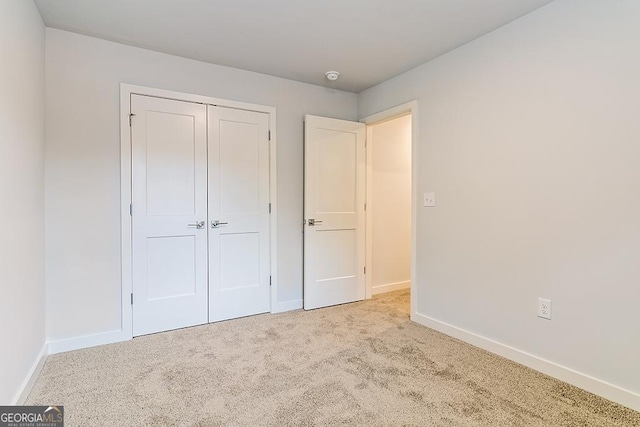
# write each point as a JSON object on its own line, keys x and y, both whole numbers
{"x": 200, "y": 213}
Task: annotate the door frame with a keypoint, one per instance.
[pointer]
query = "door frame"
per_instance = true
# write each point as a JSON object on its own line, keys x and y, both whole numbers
{"x": 126, "y": 90}
{"x": 408, "y": 108}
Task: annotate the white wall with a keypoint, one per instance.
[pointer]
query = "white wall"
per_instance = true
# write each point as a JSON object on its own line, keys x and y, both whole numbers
{"x": 530, "y": 138}
{"x": 83, "y": 159}
{"x": 22, "y": 314}
{"x": 390, "y": 204}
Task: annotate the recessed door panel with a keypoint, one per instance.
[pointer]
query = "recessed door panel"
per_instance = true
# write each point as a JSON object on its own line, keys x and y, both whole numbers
{"x": 171, "y": 163}
{"x": 239, "y": 249}
{"x": 239, "y": 167}
{"x": 336, "y": 176}
{"x": 336, "y": 255}
{"x": 171, "y": 266}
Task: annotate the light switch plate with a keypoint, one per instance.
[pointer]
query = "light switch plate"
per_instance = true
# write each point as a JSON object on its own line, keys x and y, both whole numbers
{"x": 429, "y": 200}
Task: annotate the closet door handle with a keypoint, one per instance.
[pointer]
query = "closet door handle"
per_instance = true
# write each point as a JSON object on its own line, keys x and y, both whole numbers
{"x": 215, "y": 223}
{"x": 199, "y": 224}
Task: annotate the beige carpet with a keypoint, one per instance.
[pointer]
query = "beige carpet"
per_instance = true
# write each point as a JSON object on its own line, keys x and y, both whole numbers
{"x": 357, "y": 364}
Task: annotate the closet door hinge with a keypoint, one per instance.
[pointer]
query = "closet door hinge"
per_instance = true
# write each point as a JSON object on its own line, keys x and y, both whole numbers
{"x": 130, "y": 116}
{"x": 269, "y": 207}
{"x": 131, "y": 298}
{"x": 130, "y": 209}
{"x": 365, "y": 270}
{"x": 269, "y": 136}
{"x": 269, "y": 280}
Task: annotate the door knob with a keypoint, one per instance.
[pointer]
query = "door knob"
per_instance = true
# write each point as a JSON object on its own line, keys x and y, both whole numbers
{"x": 314, "y": 222}
{"x": 215, "y": 223}
{"x": 199, "y": 224}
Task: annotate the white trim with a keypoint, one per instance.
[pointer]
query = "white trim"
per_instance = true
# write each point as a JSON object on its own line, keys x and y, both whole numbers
{"x": 368, "y": 234}
{"x": 281, "y": 307}
{"x": 126, "y": 90}
{"x": 273, "y": 196}
{"x": 401, "y": 110}
{"x": 607, "y": 390}
{"x": 405, "y": 109}
{"x": 86, "y": 341}
{"x": 390, "y": 287}
{"x": 126, "y": 319}
{"x": 32, "y": 376}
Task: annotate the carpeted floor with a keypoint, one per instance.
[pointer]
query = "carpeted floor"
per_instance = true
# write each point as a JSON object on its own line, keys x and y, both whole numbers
{"x": 361, "y": 364}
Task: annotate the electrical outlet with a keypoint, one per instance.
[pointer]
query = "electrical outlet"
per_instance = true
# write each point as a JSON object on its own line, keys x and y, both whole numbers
{"x": 544, "y": 308}
{"x": 429, "y": 199}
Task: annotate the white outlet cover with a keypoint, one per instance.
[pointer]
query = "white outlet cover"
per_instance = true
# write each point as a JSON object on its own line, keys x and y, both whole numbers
{"x": 544, "y": 308}
{"x": 429, "y": 200}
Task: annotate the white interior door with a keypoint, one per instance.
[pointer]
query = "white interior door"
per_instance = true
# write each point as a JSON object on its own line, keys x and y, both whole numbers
{"x": 239, "y": 282}
{"x": 334, "y": 197}
{"x": 169, "y": 210}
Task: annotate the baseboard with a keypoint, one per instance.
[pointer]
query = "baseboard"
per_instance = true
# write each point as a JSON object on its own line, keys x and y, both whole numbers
{"x": 281, "y": 307}
{"x": 30, "y": 379}
{"x": 390, "y": 287}
{"x": 586, "y": 382}
{"x": 86, "y": 341}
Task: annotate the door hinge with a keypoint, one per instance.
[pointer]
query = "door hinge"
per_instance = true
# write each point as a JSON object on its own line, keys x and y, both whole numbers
{"x": 365, "y": 270}
{"x": 131, "y": 298}
{"x": 365, "y": 206}
{"x": 130, "y": 116}
{"x": 269, "y": 135}
{"x": 130, "y": 209}
{"x": 269, "y": 207}
{"x": 269, "y": 280}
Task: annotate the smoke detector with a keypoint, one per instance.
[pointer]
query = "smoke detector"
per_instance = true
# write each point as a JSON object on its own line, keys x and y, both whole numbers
{"x": 332, "y": 75}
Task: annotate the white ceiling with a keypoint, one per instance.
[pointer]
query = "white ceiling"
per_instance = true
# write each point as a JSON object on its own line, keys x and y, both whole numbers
{"x": 367, "y": 41}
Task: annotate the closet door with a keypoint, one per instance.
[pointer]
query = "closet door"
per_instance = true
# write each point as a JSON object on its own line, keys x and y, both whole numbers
{"x": 169, "y": 211}
{"x": 239, "y": 282}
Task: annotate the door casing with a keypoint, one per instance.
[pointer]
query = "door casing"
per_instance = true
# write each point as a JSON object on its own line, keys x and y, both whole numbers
{"x": 126, "y": 90}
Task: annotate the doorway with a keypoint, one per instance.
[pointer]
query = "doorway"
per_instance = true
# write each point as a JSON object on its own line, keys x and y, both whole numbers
{"x": 339, "y": 163}
{"x": 409, "y": 110}
{"x": 388, "y": 214}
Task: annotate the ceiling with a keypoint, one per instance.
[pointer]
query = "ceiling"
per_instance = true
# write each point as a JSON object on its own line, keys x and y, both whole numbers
{"x": 367, "y": 41}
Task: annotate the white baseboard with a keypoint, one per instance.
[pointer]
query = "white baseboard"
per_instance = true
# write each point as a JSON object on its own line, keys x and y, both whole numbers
{"x": 390, "y": 287}
{"x": 86, "y": 341}
{"x": 30, "y": 379}
{"x": 604, "y": 389}
{"x": 281, "y": 307}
